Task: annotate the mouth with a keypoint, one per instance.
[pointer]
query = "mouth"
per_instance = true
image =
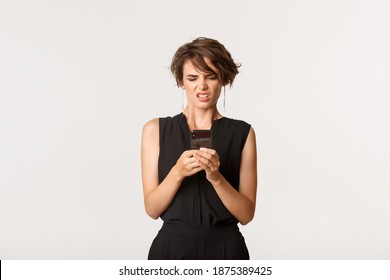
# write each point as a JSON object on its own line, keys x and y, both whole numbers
{"x": 203, "y": 95}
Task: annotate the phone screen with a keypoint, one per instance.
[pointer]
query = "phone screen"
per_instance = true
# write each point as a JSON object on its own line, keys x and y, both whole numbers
{"x": 201, "y": 139}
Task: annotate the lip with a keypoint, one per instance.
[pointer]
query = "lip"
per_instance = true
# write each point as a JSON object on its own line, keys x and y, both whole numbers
{"x": 203, "y": 97}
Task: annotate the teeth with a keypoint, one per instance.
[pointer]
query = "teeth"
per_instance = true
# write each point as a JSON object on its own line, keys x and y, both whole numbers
{"x": 203, "y": 95}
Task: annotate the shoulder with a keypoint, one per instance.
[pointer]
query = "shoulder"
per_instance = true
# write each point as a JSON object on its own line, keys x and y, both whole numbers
{"x": 151, "y": 129}
{"x": 238, "y": 129}
{"x": 251, "y": 136}
{"x": 237, "y": 124}
{"x": 151, "y": 126}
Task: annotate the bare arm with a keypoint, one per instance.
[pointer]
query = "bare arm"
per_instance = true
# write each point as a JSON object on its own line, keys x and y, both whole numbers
{"x": 241, "y": 203}
{"x": 157, "y": 197}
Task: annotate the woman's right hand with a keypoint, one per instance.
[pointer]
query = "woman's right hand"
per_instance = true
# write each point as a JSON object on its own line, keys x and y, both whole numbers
{"x": 187, "y": 164}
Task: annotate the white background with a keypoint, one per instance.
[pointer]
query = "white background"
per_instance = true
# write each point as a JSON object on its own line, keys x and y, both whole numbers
{"x": 79, "y": 78}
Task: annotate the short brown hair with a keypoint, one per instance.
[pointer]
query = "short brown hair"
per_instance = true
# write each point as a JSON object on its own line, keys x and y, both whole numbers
{"x": 199, "y": 49}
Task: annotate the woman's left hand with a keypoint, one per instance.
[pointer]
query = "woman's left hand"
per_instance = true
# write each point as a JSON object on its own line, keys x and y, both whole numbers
{"x": 208, "y": 159}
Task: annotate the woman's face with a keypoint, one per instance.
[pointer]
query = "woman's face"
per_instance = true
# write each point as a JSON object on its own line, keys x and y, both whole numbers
{"x": 202, "y": 89}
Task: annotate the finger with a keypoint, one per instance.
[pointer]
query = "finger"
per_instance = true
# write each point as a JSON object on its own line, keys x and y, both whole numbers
{"x": 203, "y": 154}
{"x": 203, "y": 166}
{"x": 193, "y": 165}
{"x": 211, "y": 152}
{"x": 194, "y": 170}
{"x": 208, "y": 168}
{"x": 190, "y": 160}
{"x": 207, "y": 159}
{"x": 188, "y": 153}
{"x": 205, "y": 163}
{"x": 212, "y": 163}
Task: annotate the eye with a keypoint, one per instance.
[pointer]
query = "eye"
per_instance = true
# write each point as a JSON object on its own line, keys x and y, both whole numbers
{"x": 212, "y": 77}
{"x": 191, "y": 78}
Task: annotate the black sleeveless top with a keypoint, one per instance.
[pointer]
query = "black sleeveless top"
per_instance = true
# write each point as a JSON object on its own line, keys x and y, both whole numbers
{"x": 196, "y": 202}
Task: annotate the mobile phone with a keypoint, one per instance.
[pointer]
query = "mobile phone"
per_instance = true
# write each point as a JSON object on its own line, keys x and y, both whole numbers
{"x": 201, "y": 139}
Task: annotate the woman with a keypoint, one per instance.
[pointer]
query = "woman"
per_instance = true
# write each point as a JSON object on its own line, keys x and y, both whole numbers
{"x": 202, "y": 194}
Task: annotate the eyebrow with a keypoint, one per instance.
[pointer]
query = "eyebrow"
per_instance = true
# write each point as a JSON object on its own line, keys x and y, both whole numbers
{"x": 195, "y": 75}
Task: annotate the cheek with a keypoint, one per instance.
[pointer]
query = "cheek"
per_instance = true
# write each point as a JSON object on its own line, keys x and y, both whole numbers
{"x": 217, "y": 88}
{"x": 188, "y": 85}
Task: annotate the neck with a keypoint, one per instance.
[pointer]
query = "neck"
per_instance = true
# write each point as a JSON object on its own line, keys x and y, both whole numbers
{"x": 201, "y": 118}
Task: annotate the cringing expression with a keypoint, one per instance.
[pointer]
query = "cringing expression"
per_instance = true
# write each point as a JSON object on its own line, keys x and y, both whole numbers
{"x": 202, "y": 89}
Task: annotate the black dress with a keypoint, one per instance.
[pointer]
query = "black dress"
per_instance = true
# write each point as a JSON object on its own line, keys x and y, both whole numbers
{"x": 197, "y": 225}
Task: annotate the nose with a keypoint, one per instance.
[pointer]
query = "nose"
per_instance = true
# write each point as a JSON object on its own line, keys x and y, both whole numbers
{"x": 202, "y": 84}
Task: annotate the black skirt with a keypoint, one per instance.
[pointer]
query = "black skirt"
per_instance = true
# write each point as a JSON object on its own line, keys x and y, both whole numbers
{"x": 184, "y": 242}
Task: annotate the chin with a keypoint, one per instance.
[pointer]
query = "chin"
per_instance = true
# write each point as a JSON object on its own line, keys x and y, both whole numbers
{"x": 205, "y": 106}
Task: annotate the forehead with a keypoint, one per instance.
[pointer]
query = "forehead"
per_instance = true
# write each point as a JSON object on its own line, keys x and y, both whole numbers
{"x": 190, "y": 68}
